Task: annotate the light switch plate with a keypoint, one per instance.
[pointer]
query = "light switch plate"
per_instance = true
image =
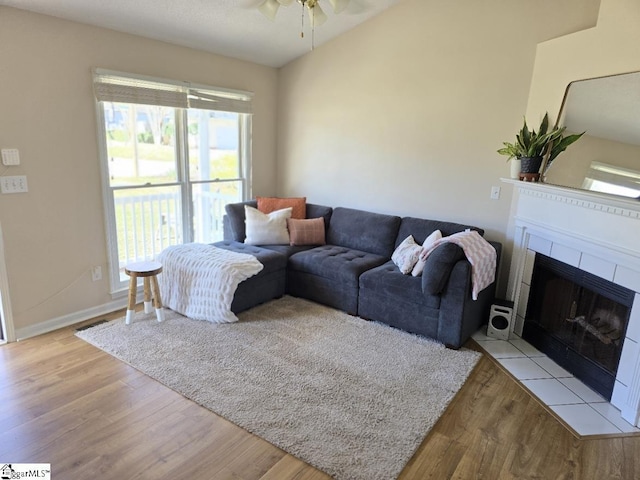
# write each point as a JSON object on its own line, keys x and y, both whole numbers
{"x": 10, "y": 157}
{"x": 14, "y": 184}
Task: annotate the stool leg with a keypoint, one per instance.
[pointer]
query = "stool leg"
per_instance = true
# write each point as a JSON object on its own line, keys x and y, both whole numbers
{"x": 156, "y": 298}
{"x": 133, "y": 286}
{"x": 147, "y": 295}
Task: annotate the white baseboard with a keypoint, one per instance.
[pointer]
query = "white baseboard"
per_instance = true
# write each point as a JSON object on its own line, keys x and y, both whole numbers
{"x": 70, "y": 319}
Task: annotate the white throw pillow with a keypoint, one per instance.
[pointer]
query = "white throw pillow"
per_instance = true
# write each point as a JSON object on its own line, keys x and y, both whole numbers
{"x": 266, "y": 228}
{"x": 426, "y": 245}
{"x": 406, "y": 255}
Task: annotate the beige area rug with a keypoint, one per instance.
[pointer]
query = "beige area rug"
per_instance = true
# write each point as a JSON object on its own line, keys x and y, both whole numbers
{"x": 353, "y": 398}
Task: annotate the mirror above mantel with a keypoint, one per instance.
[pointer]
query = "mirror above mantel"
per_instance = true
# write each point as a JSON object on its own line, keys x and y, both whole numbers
{"x": 607, "y": 157}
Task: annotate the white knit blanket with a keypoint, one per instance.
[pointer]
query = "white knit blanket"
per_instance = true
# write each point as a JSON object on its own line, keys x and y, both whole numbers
{"x": 481, "y": 255}
{"x": 199, "y": 281}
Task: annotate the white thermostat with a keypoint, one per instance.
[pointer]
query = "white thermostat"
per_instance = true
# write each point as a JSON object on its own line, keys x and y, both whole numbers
{"x": 10, "y": 157}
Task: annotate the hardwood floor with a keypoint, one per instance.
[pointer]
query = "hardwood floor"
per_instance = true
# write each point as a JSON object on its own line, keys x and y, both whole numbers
{"x": 64, "y": 402}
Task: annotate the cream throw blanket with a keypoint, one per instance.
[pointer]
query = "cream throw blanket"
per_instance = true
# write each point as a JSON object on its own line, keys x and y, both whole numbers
{"x": 199, "y": 281}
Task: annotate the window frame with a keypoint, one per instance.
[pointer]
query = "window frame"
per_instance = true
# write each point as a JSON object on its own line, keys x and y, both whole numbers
{"x": 118, "y": 288}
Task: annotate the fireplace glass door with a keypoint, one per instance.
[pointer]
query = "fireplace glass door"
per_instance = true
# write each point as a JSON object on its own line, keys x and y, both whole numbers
{"x": 579, "y": 320}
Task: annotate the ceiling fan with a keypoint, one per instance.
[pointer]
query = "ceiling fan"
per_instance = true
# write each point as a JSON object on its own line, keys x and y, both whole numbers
{"x": 269, "y": 8}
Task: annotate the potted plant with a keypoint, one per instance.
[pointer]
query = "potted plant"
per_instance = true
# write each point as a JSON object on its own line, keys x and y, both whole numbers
{"x": 530, "y": 146}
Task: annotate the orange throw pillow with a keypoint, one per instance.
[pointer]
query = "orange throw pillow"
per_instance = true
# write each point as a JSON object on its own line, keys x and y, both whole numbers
{"x": 306, "y": 232}
{"x": 271, "y": 204}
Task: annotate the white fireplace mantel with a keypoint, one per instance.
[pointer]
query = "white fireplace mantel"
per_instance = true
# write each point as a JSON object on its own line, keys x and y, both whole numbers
{"x": 595, "y": 232}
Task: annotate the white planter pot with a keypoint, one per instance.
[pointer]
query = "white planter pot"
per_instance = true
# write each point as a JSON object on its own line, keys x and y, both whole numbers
{"x": 514, "y": 165}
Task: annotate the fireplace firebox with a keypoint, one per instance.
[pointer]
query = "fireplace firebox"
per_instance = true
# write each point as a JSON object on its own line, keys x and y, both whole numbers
{"x": 579, "y": 320}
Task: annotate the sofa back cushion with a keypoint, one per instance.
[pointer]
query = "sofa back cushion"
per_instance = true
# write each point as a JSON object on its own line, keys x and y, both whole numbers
{"x": 235, "y": 219}
{"x": 317, "y": 211}
{"x": 365, "y": 231}
{"x": 235, "y": 214}
{"x": 421, "y": 229}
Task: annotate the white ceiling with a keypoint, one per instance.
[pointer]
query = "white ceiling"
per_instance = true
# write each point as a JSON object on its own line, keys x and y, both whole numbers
{"x": 233, "y": 28}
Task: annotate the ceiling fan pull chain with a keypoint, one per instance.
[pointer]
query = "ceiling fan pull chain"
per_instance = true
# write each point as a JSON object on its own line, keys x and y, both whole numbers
{"x": 313, "y": 32}
{"x": 302, "y": 22}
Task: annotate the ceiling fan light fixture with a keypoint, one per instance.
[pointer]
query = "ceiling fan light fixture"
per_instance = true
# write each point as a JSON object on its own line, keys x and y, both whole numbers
{"x": 338, "y": 5}
{"x": 317, "y": 15}
{"x": 269, "y": 8}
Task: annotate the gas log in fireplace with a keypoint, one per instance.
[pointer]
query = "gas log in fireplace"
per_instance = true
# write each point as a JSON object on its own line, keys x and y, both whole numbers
{"x": 579, "y": 320}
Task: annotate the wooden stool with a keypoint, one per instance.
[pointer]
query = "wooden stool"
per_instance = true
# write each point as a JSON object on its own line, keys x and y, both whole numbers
{"x": 148, "y": 271}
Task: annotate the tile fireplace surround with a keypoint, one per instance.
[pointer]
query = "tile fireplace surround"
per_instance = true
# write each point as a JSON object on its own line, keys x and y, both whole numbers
{"x": 593, "y": 232}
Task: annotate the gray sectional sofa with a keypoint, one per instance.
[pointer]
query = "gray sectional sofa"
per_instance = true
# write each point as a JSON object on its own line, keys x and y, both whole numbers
{"x": 354, "y": 272}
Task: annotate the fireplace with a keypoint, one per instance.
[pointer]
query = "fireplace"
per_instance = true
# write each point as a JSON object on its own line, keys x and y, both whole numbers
{"x": 579, "y": 320}
{"x": 596, "y": 234}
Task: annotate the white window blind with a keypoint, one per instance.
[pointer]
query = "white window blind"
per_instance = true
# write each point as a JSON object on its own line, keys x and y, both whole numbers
{"x": 117, "y": 87}
{"x": 209, "y": 100}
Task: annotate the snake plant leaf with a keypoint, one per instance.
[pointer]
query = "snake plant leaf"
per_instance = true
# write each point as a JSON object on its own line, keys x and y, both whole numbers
{"x": 545, "y": 124}
{"x": 526, "y": 135}
{"x": 561, "y": 146}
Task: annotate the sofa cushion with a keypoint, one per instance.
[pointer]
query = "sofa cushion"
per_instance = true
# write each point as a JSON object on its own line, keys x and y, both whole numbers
{"x": 388, "y": 282}
{"x": 335, "y": 263}
{"x": 288, "y": 250}
{"x": 364, "y": 231}
{"x": 421, "y": 229}
{"x": 235, "y": 214}
{"x": 271, "y": 204}
{"x": 266, "y": 228}
{"x": 309, "y": 231}
{"x": 438, "y": 266}
{"x": 272, "y": 260}
{"x": 317, "y": 211}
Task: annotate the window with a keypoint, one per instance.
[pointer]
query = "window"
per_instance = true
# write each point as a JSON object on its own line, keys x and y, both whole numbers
{"x": 173, "y": 154}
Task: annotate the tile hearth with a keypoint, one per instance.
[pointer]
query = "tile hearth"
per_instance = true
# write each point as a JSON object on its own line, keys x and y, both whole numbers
{"x": 577, "y": 405}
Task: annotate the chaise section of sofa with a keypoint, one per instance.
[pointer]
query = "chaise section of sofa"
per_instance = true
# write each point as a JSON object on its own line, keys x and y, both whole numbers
{"x": 268, "y": 284}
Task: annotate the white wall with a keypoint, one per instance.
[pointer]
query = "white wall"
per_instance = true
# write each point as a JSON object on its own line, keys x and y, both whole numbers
{"x": 55, "y": 233}
{"x": 404, "y": 114}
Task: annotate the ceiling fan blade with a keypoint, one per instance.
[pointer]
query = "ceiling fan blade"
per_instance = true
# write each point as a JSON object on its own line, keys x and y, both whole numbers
{"x": 269, "y": 8}
{"x": 339, "y": 5}
{"x": 317, "y": 16}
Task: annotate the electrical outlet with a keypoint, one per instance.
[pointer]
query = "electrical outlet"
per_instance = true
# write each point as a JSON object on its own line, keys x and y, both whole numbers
{"x": 96, "y": 273}
{"x": 495, "y": 193}
{"x": 14, "y": 184}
